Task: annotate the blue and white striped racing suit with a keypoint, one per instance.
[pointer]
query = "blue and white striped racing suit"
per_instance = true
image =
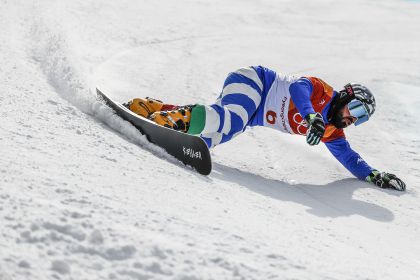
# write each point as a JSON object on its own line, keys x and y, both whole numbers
{"x": 246, "y": 95}
{"x": 239, "y": 104}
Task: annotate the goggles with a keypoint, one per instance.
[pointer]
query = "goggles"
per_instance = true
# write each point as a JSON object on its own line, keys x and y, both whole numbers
{"x": 358, "y": 110}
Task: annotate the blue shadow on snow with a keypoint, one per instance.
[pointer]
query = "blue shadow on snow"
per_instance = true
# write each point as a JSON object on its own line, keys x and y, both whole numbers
{"x": 333, "y": 200}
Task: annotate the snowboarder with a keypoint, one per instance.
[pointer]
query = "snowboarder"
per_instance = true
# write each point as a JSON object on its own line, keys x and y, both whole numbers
{"x": 257, "y": 96}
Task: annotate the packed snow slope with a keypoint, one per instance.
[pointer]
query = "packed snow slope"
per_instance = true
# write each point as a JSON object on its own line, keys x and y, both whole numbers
{"x": 84, "y": 196}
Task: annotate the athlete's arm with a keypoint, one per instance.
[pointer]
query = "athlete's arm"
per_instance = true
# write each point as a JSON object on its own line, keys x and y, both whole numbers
{"x": 300, "y": 92}
{"x": 351, "y": 160}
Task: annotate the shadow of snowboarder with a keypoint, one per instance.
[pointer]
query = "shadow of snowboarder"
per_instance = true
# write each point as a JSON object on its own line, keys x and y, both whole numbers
{"x": 333, "y": 200}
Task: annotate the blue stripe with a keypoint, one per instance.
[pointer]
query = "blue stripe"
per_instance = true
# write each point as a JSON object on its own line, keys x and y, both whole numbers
{"x": 238, "y": 78}
{"x": 221, "y": 113}
{"x": 226, "y": 138}
{"x": 260, "y": 72}
{"x": 236, "y": 123}
{"x": 241, "y": 100}
{"x": 266, "y": 76}
{"x": 207, "y": 140}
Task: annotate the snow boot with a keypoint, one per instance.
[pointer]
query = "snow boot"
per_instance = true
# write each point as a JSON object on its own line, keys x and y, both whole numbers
{"x": 145, "y": 107}
{"x": 177, "y": 119}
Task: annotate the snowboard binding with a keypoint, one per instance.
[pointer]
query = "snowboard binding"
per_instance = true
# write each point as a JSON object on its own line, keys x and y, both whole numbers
{"x": 145, "y": 107}
{"x": 177, "y": 119}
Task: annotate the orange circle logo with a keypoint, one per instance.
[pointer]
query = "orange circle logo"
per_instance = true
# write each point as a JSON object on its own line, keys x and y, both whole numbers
{"x": 270, "y": 117}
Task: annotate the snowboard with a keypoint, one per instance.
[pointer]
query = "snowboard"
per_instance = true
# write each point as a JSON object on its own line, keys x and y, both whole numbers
{"x": 190, "y": 150}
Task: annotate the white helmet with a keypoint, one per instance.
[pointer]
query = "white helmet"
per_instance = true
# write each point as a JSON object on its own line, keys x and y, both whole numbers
{"x": 360, "y": 101}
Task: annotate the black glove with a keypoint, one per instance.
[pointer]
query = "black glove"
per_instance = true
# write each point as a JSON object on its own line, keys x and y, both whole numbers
{"x": 316, "y": 128}
{"x": 386, "y": 180}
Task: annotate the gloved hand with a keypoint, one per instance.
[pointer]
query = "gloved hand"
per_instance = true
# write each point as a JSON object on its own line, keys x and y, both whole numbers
{"x": 316, "y": 128}
{"x": 386, "y": 180}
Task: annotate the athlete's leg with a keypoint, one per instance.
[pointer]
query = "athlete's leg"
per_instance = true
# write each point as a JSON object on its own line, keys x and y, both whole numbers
{"x": 232, "y": 111}
{"x": 216, "y": 123}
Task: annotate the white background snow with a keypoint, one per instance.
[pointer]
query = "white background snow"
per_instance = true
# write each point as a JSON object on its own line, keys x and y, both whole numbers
{"x": 84, "y": 196}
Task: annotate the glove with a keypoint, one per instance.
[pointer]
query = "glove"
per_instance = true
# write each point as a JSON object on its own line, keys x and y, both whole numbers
{"x": 386, "y": 180}
{"x": 316, "y": 128}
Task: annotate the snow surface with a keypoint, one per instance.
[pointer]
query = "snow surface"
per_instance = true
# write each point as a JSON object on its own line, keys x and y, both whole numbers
{"x": 84, "y": 196}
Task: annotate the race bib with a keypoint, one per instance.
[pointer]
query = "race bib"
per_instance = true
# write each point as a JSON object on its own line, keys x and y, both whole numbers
{"x": 277, "y": 103}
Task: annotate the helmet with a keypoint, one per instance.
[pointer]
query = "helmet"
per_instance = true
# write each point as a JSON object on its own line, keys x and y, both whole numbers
{"x": 360, "y": 101}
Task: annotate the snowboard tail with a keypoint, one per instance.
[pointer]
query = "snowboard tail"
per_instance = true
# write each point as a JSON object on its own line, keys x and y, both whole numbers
{"x": 190, "y": 150}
